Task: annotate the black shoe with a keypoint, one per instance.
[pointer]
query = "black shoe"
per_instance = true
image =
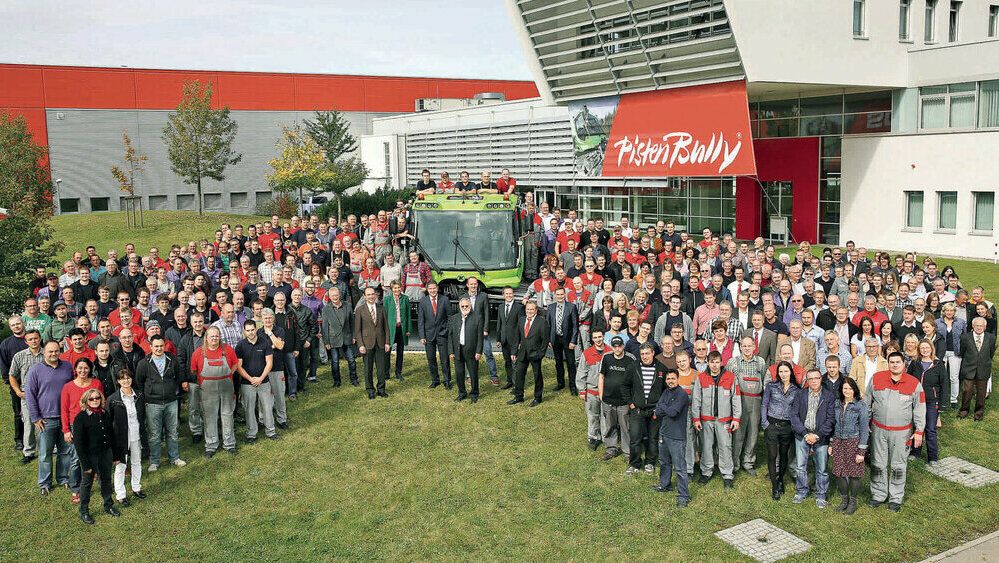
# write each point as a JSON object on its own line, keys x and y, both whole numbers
{"x": 355, "y": 383}
{"x": 843, "y": 504}
{"x": 125, "y": 502}
{"x": 851, "y": 507}
{"x": 775, "y": 494}
{"x": 559, "y": 387}
{"x": 382, "y": 394}
{"x": 661, "y": 489}
{"x": 434, "y": 385}
{"x": 112, "y": 511}
{"x": 25, "y": 460}
{"x": 371, "y": 395}
{"x": 336, "y": 384}
{"x": 87, "y": 518}
{"x": 197, "y": 439}
{"x": 209, "y": 454}
{"x": 574, "y": 391}
{"x": 448, "y": 385}
{"x": 593, "y": 444}
{"x": 138, "y": 494}
{"x": 282, "y": 425}
{"x": 894, "y": 506}
{"x": 703, "y": 480}
{"x": 45, "y": 491}
{"x": 682, "y": 503}
{"x": 460, "y": 398}
{"x": 231, "y": 451}
{"x": 751, "y": 471}
{"x": 475, "y": 400}
{"x": 610, "y": 455}
{"x": 875, "y": 503}
{"x": 507, "y": 386}
{"x": 535, "y": 402}
{"x": 514, "y": 401}
{"x": 273, "y": 437}
{"x": 728, "y": 483}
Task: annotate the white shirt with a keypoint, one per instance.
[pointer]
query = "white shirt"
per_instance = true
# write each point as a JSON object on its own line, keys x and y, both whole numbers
{"x": 870, "y": 366}
{"x": 133, "y": 417}
{"x": 744, "y": 318}
{"x": 461, "y": 335}
{"x": 796, "y": 346}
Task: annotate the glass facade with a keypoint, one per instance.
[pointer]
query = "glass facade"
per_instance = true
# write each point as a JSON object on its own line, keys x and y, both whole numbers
{"x": 829, "y": 118}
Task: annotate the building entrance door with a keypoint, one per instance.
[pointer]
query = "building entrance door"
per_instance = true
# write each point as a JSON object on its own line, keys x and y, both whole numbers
{"x": 776, "y": 214}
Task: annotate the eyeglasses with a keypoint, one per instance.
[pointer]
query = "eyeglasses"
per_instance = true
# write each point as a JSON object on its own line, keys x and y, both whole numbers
{"x": 92, "y": 399}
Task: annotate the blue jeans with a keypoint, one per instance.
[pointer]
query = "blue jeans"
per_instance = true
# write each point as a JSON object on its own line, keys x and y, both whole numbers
{"x": 346, "y": 352}
{"x": 487, "y": 351}
{"x": 673, "y": 456}
{"x": 291, "y": 370}
{"x": 802, "y": 452}
{"x": 158, "y": 416}
{"x": 47, "y": 438}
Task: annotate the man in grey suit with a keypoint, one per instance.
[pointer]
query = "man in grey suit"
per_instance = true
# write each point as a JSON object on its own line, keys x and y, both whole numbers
{"x": 372, "y": 337}
{"x": 977, "y": 349}
{"x": 465, "y": 334}
{"x": 508, "y": 317}
{"x": 766, "y": 339}
{"x": 338, "y": 336}
{"x": 432, "y": 323}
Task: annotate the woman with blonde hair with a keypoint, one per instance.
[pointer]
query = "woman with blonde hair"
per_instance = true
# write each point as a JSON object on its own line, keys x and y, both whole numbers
{"x": 910, "y": 347}
{"x": 93, "y": 437}
{"x": 932, "y": 374}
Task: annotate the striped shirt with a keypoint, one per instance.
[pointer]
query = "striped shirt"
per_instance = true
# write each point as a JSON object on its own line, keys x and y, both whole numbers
{"x": 648, "y": 376}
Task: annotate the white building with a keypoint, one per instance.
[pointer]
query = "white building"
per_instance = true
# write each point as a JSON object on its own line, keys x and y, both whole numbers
{"x": 855, "y": 107}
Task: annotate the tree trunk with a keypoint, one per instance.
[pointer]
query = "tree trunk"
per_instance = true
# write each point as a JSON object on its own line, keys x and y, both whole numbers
{"x": 339, "y": 210}
{"x": 201, "y": 210}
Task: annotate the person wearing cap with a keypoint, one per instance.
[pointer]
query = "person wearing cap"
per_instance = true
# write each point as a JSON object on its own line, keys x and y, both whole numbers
{"x": 617, "y": 372}
{"x": 153, "y": 328}
{"x": 60, "y": 326}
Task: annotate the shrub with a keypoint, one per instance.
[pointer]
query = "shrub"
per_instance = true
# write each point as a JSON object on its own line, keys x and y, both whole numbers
{"x": 281, "y": 205}
{"x": 364, "y": 203}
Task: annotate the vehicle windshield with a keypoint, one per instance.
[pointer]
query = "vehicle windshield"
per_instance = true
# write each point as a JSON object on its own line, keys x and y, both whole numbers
{"x": 485, "y": 235}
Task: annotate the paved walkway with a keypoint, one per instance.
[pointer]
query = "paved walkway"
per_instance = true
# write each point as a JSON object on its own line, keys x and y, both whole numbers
{"x": 985, "y": 548}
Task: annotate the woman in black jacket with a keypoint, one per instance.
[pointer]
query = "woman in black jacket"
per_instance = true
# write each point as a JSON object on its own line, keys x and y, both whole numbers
{"x": 935, "y": 377}
{"x": 128, "y": 411}
{"x": 93, "y": 437}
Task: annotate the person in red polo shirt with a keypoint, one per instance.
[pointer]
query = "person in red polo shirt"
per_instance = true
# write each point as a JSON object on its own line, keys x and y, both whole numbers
{"x": 77, "y": 348}
{"x": 870, "y": 311}
{"x": 506, "y": 184}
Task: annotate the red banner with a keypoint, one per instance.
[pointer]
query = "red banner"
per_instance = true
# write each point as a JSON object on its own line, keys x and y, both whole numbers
{"x": 692, "y": 131}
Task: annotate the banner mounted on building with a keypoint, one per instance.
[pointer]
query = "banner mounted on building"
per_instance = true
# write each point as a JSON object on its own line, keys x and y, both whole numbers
{"x": 692, "y": 131}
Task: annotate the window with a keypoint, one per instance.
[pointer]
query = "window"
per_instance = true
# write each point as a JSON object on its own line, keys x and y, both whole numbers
{"x": 69, "y": 205}
{"x": 264, "y": 197}
{"x": 186, "y": 202}
{"x": 984, "y": 210}
{"x": 929, "y": 28}
{"x": 955, "y": 19}
{"x": 988, "y": 104}
{"x": 388, "y": 164}
{"x": 213, "y": 201}
{"x": 914, "y": 210}
{"x": 903, "y": 20}
{"x": 157, "y": 202}
{"x": 239, "y": 199}
{"x": 946, "y": 211}
{"x": 952, "y": 106}
{"x": 859, "y": 25}
{"x": 100, "y": 204}
{"x": 993, "y": 20}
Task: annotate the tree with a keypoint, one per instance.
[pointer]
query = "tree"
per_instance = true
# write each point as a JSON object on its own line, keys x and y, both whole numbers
{"x": 331, "y": 130}
{"x": 199, "y": 139}
{"x": 26, "y": 194}
{"x": 134, "y": 166}
{"x": 302, "y": 165}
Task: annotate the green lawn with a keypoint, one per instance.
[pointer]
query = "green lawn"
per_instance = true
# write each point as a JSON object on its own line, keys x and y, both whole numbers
{"x": 418, "y": 477}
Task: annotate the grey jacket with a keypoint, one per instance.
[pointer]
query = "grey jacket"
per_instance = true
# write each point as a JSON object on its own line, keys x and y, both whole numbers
{"x": 338, "y": 325}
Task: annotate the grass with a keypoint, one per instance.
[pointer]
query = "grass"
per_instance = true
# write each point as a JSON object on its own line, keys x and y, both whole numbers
{"x": 418, "y": 477}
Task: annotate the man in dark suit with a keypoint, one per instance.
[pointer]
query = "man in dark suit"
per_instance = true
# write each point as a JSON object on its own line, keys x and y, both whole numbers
{"x": 529, "y": 346}
{"x": 480, "y": 308}
{"x": 432, "y": 323}
{"x": 508, "y": 315}
{"x": 372, "y": 336}
{"x": 563, "y": 322}
{"x": 766, "y": 339}
{"x": 977, "y": 349}
{"x": 465, "y": 335}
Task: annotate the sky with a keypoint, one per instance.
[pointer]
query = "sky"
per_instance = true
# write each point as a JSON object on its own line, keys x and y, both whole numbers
{"x": 446, "y": 38}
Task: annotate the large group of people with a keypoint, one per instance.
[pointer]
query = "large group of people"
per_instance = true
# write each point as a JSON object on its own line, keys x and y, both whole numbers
{"x": 681, "y": 349}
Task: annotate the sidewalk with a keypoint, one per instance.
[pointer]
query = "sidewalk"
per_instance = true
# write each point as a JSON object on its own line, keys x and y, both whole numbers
{"x": 985, "y": 548}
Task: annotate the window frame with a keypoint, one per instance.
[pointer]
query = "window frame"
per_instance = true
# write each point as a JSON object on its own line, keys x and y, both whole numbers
{"x": 974, "y": 213}
{"x": 929, "y": 22}
{"x": 941, "y": 194}
{"x": 907, "y": 225}
{"x": 859, "y": 27}
{"x": 905, "y": 21}
{"x": 993, "y": 28}
{"x": 948, "y": 97}
{"x": 954, "y": 21}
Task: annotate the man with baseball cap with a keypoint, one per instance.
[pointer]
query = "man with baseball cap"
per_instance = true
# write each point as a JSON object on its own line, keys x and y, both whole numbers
{"x": 617, "y": 370}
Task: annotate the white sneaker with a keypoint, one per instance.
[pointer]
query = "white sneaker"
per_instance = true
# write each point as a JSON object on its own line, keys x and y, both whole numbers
{"x": 153, "y": 467}
{"x": 631, "y": 471}
{"x": 179, "y": 462}
{"x": 650, "y": 469}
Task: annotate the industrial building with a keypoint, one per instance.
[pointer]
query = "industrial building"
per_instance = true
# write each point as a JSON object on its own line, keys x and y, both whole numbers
{"x": 871, "y": 120}
{"x": 80, "y": 114}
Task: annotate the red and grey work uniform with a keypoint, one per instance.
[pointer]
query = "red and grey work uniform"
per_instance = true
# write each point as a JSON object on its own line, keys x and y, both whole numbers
{"x": 898, "y": 412}
{"x": 414, "y": 280}
{"x": 544, "y": 290}
{"x": 214, "y": 371}
{"x": 717, "y": 402}
{"x": 382, "y": 241}
{"x": 586, "y": 381}
{"x": 750, "y": 375}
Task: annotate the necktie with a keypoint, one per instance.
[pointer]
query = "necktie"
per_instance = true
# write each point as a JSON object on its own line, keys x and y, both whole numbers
{"x": 756, "y": 336}
{"x": 434, "y": 304}
{"x": 508, "y": 306}
{"x": 371, "y": 309}
{"x": 471, "y": 301}
{"x": 558, "y": 320}
{"x": 527, "y": 327}
{"x": 978, "y": 342}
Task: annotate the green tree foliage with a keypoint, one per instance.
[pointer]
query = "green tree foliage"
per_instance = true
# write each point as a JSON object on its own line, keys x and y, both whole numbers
{"x": 331, "y": 131}
{"x": 199, "y": 139}
{"x": 26, "y": 194}
{"x": 364, "y": 203}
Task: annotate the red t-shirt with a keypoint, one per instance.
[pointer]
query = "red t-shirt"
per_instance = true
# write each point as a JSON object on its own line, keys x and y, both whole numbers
{"x": 69, "y": 400}
{"x": 70, "y": 357}
{"x": 115, "y": 317}
{"x": 506, "y": 186}
{"x": 198, "y": 358}
{"x": 267, "y": 241}
{"x": 563, "y": 239}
